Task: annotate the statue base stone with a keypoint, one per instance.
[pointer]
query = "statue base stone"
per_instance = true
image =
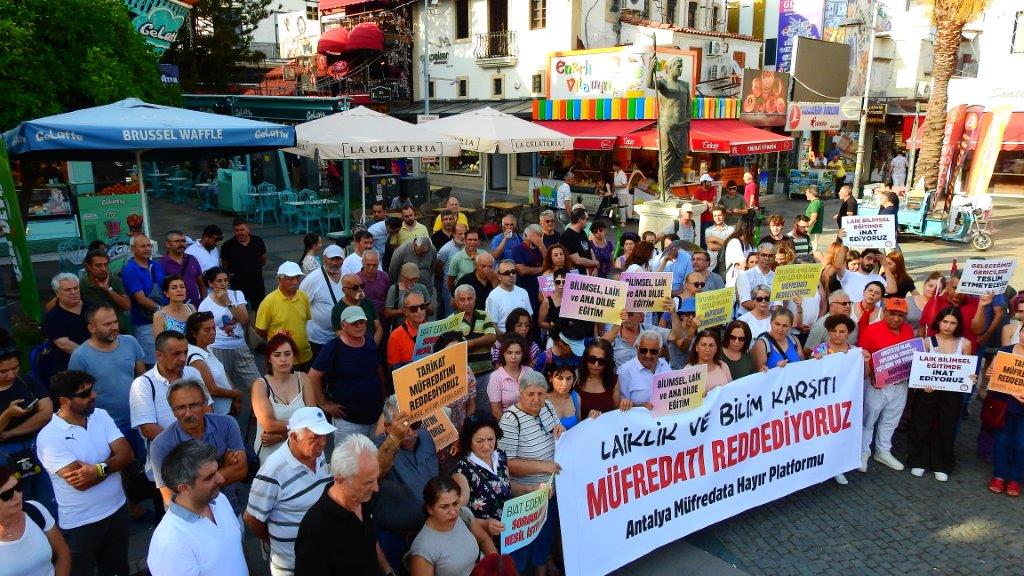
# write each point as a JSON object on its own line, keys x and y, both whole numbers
{"x": 656, "y": 215}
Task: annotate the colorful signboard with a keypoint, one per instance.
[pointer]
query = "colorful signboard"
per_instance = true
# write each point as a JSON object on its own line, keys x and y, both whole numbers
{"x": 622, "y": 72}
{"x": 813, "y": 116}
{"x": 990, "y": 144}
{"x": 715, "y": 307}
{"x": 949, "y": 372}
{"x": 870, "y": 231}
{"x": 523, "y": 517}
{"x": 648, "y": 291}
{"x": 158, "y": 20}
{"x": 679, "y": 391}
{"x": 593, "y": 298}
{"x": 426, "y": 385}
{"x": 794, "y": 280}
{"x": 645, "y": 108}
{"x": 797, "y": 18}
{"x": 765, "y": 95}
{"x": 1007, "y": 374}
{"x": 986, "y": 276}
{"x": 892, "y": 364}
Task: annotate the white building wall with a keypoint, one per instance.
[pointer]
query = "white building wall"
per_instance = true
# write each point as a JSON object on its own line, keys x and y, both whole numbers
{"x": 1000, "y": 80}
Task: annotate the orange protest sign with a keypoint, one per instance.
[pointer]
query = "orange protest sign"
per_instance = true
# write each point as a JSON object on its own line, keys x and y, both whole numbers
{"x": 1007, "y": 374}
{"x": 423, "y": 386}
{"x": 441, "y": 429}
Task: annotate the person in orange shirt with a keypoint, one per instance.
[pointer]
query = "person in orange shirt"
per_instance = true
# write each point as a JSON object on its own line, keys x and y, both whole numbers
{"x": 403, "y": 339}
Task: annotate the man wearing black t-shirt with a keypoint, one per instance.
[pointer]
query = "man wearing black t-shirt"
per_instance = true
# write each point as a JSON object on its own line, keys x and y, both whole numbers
{"x": 581, "y": 257}
{"x": 847, "y": 206}
{"x": 244, "y": 256}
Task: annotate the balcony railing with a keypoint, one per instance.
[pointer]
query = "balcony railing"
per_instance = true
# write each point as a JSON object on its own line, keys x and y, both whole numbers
{"x": 496, "y": 48}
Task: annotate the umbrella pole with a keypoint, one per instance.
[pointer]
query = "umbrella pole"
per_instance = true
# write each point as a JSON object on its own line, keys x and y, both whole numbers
{"x": 346, "y": 224}
{"x": 142, "y": 194}
{"x": 362, "y": 175}
{"x": 483, "y": 174}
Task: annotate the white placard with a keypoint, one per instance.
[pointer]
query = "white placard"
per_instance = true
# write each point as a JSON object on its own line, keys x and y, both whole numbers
{"x": 984, "y": 276}
{"x": 870, "y": 231}
{"x": 943, "y": 371}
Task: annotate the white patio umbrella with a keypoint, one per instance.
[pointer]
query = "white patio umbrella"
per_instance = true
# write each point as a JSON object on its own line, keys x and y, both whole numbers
{"x": 488, "y": 131}
{"x": 362, "y": 133}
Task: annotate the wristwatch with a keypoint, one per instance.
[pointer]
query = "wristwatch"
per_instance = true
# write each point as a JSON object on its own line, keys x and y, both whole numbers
{"x": 101, "y": 469}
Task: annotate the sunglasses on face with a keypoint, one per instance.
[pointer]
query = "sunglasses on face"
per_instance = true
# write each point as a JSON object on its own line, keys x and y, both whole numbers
{"x": 846, "y": 303}
{"x": 698, "y": 284}
{"x": 740, "y": 338}
{"x": 83, "y": 394}
{"x": 417, "y": 308}
{"x": 507, "y": 273}
{"x": 649, "y": 351}
{"x": 595, "y": 360}
{"x": 357, "y": 287}
{"x": 762, "y": 299}
{"x": 559, "y": 282}
{"x": 6, "y": 495}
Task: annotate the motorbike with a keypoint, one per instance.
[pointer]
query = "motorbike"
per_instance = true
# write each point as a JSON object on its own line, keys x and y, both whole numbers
{"x": 969, "y": 220}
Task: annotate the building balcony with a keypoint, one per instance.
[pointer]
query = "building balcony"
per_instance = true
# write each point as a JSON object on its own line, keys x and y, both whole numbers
{"x": 496, "y": 49}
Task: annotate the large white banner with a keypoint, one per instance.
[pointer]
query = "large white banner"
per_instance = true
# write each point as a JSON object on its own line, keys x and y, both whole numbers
{"x": 631, "y": 483}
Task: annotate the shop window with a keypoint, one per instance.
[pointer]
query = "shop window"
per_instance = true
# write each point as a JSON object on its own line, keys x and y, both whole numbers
{"x": 462, "y": 19}
{"x": 432, "y": 165}
{"x": 537, "y": 83}
{"x": 497, "y": 86}
{"x": 538, "y": 14}
{"x": 463, "y": 87}
{"x": 524, "y": 164}
{"x": 691, "y": 15}
{"x": 312, "y": 12}
{"x": 1017, "y": 43}
{"x": 466, "y": 163}
{"x": 716, "y": 14}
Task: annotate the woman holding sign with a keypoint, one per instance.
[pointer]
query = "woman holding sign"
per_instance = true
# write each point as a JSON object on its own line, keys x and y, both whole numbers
{"x": 777, "y": 347}
{"x": 934, "y": 413}
{"x": 707, "y": 350}
{"x": 451, "y": 540}
{"x": 1008, "y": 452}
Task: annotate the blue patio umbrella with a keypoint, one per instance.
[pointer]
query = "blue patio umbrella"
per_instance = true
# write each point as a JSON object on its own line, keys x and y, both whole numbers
{"x": 132, "y": 127}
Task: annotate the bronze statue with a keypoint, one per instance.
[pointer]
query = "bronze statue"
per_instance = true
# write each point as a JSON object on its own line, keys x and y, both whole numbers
{"x": 673, "y": 122}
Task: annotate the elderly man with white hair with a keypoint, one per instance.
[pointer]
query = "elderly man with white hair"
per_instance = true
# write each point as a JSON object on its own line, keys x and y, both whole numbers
{"x": 636, "y": 377}
{"x": 288, "y": 483}
{"x": 64, "y": 325}
{"x": 338, "y": 535}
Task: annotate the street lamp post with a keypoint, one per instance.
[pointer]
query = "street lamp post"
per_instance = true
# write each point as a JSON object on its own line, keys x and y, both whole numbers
{"x": 426, "y": 58}
{"x": 862, "y": 134}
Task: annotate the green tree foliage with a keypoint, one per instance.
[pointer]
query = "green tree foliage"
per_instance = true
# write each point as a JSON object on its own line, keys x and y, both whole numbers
{"x": 72, "y": 54}
{"x": 214, "y": 47}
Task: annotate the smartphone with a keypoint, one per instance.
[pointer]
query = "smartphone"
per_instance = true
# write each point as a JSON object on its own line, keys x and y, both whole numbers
{"x": 32, "y": 405}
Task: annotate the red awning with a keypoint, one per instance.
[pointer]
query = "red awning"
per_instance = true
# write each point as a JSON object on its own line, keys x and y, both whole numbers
{"x": 366, "y": 36}
{"x": 328, "y": 5}
{"x": 594, "y": 134}
{"x": 719, "y": 136}
{"x": 334, "y": 41}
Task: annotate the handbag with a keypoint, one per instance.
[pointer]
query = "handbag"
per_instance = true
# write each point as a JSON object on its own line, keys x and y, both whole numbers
{"x": 993, "y": 412}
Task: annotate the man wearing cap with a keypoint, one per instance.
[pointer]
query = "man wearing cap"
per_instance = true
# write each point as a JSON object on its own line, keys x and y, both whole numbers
{"x": 506, "y": 297}
{"x": 324, "y": 290}
{"x": 854, "y": 281}
{"x": 402, "y": 341}
{"x": 708, "y": 195}
{"x": 353, "y": 290}
{"x": 346, "y": 377}
{"x": 883, "y": 405}
{"x": 683, "y": 226}
{"x": 733, "y": 204}
{"x": 286, "y": 311}
{"x": 188, "y": 402}
{"x": 838, "y": 303}
{"x": 289, "y": 482}
{"x": 421, "y": 252}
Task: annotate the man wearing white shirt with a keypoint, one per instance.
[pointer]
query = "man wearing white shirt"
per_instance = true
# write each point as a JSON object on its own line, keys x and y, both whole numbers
{"x": 207, "y": 249}
{"x": 506, "y": 296}
{"x": 83, "y": 452}
{"x": 620, "y": 186}
{"x": 147, "y": 398}
{"x": 854, "y": 282}
{"x": 760, "y": 274}
{"x": 362, "y": 240}
{"x": 200, "y": 533}
{"x": 324, "y": 289}
{"x": 563, "y": 198}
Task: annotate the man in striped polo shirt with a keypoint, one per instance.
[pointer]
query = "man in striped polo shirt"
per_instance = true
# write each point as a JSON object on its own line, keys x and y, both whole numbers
{"x": 290, "y": 481}
{"x": 480, "y": 332}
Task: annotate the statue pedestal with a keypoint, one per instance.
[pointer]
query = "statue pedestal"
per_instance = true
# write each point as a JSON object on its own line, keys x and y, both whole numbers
{"x": 656, "y": 215}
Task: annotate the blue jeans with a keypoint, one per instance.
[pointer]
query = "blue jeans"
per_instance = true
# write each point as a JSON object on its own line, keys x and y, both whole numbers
{"x": 37, "y": 487}
{"x": 1008, "y": 452}
{"x": 536, "y": 553}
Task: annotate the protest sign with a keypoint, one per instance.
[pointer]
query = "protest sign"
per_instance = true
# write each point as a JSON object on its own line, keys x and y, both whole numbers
{"x": 631, "y": 483}
{"x": 943, "y": 371}
{"x": 715, "y": 307}
{"x": 679, "y": 390}
{"x": 794, "y": 280}
{"x": 647, "y": 290}
{"x": 984, "y": 276}
{"x": 429, "y": 332}
{"x": 892, "y": 364}
{"x": 593, "y": 299}
{"x": 870, "y": 231}
{"x": 441, "y": 429}
{"x": 1007, "y": 374}
{"x": 425, "y": 385}
{"x": 523, "y": 517}
{"x": 546, "y": 284}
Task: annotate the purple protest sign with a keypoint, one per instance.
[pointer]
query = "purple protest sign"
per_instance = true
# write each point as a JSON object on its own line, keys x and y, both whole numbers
{"x": 796, "y": 18}
{"x": 892, "y": 364}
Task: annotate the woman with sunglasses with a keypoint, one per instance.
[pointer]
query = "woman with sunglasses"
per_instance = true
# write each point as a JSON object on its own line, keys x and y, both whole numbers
{"x": 201, "y": 331}
{"x": 759, "y": 319}
{"x": 175, "y": 313}
{"x": 777, "y": 347}
{"x": 735, "y": 351}
{"x": 549, "y": 316}
{"x": 503, "y": 386}
{"x": 30, "y": 541}
{"x": 708, "y": 351}
{"x": 596, "y": 380}
{"x": 278, "y": 394}
{"x": 554, "y": 259}
{"x": 561, "y": 379}
{"x": 1008, "y": 446}
{"x": 1011, "y": 332}
{"x": 520, "y": 324}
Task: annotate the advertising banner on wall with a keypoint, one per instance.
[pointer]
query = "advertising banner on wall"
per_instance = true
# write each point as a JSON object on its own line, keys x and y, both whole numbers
{"x": 159, "y": 20}
{"x": 813, "y": 116}
{"x": 631, "y": 483}
{"x": 296, "y": 36}
{"x": 797, "y": 18}
{"x": 613, "y": 72}
{"x": 765, "y": 95}
{"x": 952, "y": 133}
{"x": 990, "y": 143}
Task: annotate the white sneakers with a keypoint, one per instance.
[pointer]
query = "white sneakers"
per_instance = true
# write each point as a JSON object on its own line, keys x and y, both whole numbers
{"x": 941, "y": 476}
{"x": 864, "y": 457}
{"x": 888, "y": 459}
{"x": 841, "y": 479}
{"x": 917, "y": 472}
